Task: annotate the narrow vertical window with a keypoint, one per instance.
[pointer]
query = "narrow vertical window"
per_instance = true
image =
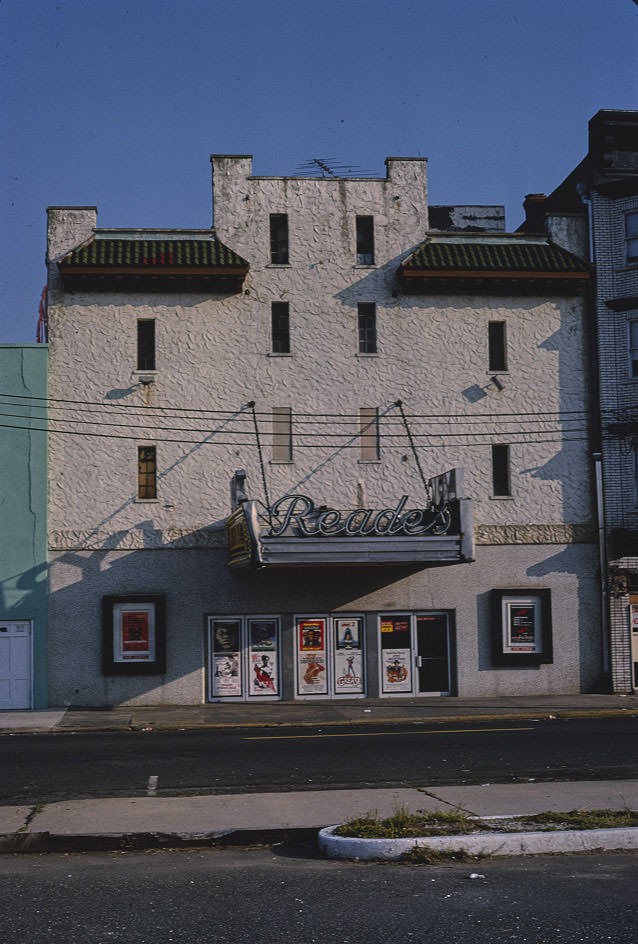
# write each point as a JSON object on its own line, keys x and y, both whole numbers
{"x": 365, "y": 240}
{"x": 496, "y": 345}
{"x": 635, "y": 475}
{"x": 280, "y": 328}
{"x": 369, "y": 434}
{"x": 501, "y": 470}
{"x": 146, "y": 472}
{"x": 145, "y": 344}
{"x": 282, "y": 434}
{"x": 279, "y": 238}
{"x": 633, "y": 348}
{"x": 631, "y": 235}
{"x": 367, "y": 317}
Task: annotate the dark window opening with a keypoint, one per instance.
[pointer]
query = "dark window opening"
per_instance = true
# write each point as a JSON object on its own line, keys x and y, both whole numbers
{"x": 367, "y": 317}
{"x": 280, "y": 328}
{"x": 365, "y": 240}
{"x": 496, "y": 343}
{"x": 146, "y": 345}
{"x": 146, "y": 472}
{"x": 279, "y": 238}
{"x": 501, "y": 470}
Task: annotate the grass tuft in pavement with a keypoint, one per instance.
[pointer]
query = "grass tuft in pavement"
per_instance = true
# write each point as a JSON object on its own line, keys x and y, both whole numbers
{"x": 404, "y": 825}
{"x": 583, "y": 819}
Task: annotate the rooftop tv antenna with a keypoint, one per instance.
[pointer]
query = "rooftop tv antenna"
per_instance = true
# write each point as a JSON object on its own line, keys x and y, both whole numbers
{"x": 329, "y": 167}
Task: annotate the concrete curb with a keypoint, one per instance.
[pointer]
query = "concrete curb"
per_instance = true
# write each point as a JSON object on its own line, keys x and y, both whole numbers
{"x": 481, "y": 844}
{"x": 38, "y": 842}
{"x": 526, "y": 714}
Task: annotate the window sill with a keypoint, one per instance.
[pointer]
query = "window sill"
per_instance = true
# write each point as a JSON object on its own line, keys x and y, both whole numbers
{"x": 501, "y": 497}
{"x": 491, "y": 373}
{"x": 368, "y": 461}
{"x": 278, "y": 354}
{"x": 147, "y": 501}
{"x": 364, "y": 355}
{"x": 278, "y": 265}
{"x": 365, "y": 265}
{"x": 281, "y": 462}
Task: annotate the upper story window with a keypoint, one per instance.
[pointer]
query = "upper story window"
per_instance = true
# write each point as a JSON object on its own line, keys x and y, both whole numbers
{"x": 633, "y": 348}
{"x": 501, "y": 470}
{"x": 631, "y": 236}
{"x": 146, "y": 472}
{"x": 365, "y": 240}
{"x": 279, "y": 238}
{"x": 282, "y": 434}
{"x": 496, "y": 345}
{"x": 370, "y": 447}
{"x": 280, "y": 328}
{"x": 367, "y": 319}
{"x": 146, "y": 344}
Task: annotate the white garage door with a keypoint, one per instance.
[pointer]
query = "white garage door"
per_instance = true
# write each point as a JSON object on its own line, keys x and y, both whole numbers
{"x": 15, "y": 664}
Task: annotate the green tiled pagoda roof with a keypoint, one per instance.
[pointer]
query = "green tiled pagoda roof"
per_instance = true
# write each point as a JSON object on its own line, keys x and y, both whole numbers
{"x": 126, "y": 253}
{"x": 506, "y": 257}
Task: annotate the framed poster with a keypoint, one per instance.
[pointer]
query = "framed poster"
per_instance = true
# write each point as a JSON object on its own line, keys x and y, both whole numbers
{"x": 225, "y": 648}
{"x": 348, "y": 655}
{"x": 521, "y": 626}
{"x": 133, "y": 635}
{"x": 396, "y": 654}
{"x": 134, "y": 638}
{"x": 263, "y": 656}
{"x": 311, "y": 656}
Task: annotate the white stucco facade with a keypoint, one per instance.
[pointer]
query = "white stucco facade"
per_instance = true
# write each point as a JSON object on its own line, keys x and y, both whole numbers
{"x": 214, "y": 357}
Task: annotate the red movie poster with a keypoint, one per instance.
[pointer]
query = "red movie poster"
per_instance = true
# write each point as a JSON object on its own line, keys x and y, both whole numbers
{"x": 135, "y": 634}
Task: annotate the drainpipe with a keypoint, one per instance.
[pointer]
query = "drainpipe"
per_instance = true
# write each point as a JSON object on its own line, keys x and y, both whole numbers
{"x": 581, "y": 189}
{"x": 602, "y": 551}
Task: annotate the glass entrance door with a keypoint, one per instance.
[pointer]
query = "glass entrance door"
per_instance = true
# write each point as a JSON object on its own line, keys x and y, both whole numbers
{"x": 415, "y": 654}
{"x": 433, "y": 654}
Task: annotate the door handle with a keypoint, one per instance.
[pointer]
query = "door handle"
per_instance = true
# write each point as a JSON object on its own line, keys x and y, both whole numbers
{"x": 419, "y": 662}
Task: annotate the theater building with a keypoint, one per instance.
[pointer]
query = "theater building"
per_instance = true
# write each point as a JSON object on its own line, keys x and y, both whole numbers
{"x": 336, "y": 446}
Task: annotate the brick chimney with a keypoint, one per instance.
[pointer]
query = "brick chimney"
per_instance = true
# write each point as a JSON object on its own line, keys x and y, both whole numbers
{"x": 534, "y": 206}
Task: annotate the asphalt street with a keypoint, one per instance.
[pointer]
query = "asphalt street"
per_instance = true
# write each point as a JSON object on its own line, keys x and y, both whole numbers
{"x": 45, "y": 767}
{"x": 267, "y": 896}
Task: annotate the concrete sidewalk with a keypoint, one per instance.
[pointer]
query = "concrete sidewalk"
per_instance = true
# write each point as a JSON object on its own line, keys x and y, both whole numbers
{"x": 300, "y": 713}
{"x": 153, "y": 822}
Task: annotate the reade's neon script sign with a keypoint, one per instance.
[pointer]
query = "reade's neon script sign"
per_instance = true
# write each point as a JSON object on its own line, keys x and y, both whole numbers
{"x": 298, "y": 513}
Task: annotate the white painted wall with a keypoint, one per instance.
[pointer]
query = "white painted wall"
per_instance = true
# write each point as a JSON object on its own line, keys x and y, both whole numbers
{"x": 213, "y": 354}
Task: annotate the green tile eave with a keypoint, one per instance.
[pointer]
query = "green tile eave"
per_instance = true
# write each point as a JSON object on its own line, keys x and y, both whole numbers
{"x": 160, "y": 253}
{"x": 493, "y": 257}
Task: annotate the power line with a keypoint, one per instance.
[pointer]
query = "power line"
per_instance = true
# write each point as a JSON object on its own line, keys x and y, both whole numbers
{"x": 208, "y": 440}
{"x": 384, "y": 433}
{"x": 240, "y": 411}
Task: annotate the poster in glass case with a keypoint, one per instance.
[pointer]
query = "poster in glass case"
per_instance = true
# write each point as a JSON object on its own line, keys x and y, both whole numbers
{"x": 348, "y": 656}
{"x": 311, "y": 657}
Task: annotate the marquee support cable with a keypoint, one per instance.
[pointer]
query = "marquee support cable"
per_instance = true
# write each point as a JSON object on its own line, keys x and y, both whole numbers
{"x": 399, "y": 404}
{"x": 261, "y": 462}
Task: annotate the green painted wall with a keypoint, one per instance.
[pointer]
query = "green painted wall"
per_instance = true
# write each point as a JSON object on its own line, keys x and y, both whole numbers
{"x": 23, "y": 497}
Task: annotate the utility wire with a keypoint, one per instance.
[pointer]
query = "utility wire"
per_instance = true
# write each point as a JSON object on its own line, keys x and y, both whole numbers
{"x": 347, "y": 416}
{"x": 207, "y": 441}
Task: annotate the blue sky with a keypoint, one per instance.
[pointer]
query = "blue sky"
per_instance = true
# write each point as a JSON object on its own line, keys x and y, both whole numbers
{"x": 120, "y": 104}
